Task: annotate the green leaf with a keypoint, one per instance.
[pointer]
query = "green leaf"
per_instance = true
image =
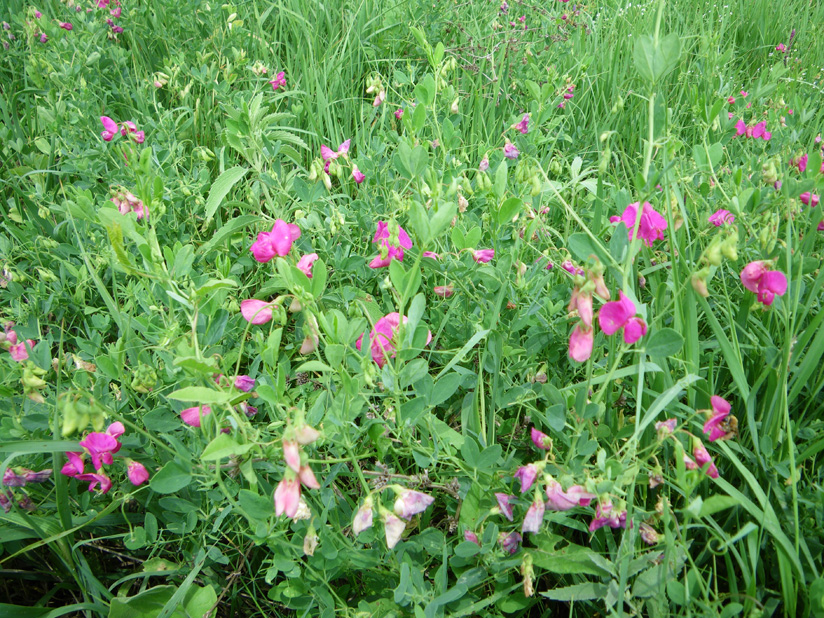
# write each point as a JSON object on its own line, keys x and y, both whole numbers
{"x": 444, "y": 388}
{"x": 588, "y": 591}
{"x": 653, "y": 63}
{"x": 499, "y": 185}
{"x": 664, "y": 342}
{"x": 200, "y": 395}
{"x": 509, "y": 209}
{"x": 223, "y": 446}
{"x": 314, "y": 365}
{"x": 25, "y": 447}
{"x": 170, "y": 478}
{"x": 716, "y": 503}
{"x": 255, "y": 506}
{"x": 221, "y": 187}
{"x": 441, "y": 218}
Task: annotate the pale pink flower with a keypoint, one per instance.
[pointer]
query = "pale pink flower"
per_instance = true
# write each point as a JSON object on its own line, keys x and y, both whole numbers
{"x": 193, "y": 416}
{"x": 580, "y": 342}
{"x": 137, "y": 473}
{"x": 307, "y": 477}
{"x": 721, "y": 410}
{"x": 526, "y": 475}
{"x": 722, "y": 217}
{"x": 582, "y": 303}
{"x": 702, "y": 458}
{"x": 330, "y": 155}
{"x": 280, "y": 80}
{"x": 306, "y": 434}
{"x": 291, "y": 453}
{"x": 256, "y": 311}
{"x": 287, "y": 496}
{"x": 651, "y": 226}
{"x": 504, "y": 504}
{"x": 444, "y": 291}
{"x": 482, "y": 256}
{"x": 382, "y": 338}
{"x": 410, "y": 502}
{"x": 484, "y": 164}
{"x": 431, "y": 255}
{"x": 18, "y": 352}
{"x": 306, "y": 262}
{"x": 510, "y": 542}
{"x": 363, "y": 517}
{"x": 393, "y": 528}
{"x": 510, "y": 151}
{"x": 560, "y": 500}
{"x": 534, "y": 515}
{"x": 244, "y": 383}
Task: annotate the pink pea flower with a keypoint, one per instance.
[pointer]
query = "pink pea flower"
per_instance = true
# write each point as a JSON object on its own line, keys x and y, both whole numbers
{"x": 305, "y": 434}
{"x": 37, "y": 14}
{"x": 330, "y": 155}
{"x": 482, "y": 256}
{"x": 780, "y": 47}
{"x": 731, "y": 100}
{"x": 65, "y": 25}
{"x": 256, "y": 311}
{"x": 760, "y": 130}
{"x": 560, "y": 500}
{"x": 534, "y": 516}
{"x": 389, "y": 250}
{"x": 540, "y": 439}
{"x": 357, "y": 175}
{"x": 306, "y": 262}
{"x": 444, "y": 291}
{"x": 117, "y": 29}
{"x": 580, "y": 342}
{"x": 287, "y": 495}
{"x": 363, "y": 517}
{"x": 510, "y": 542}
{"x": 757, "y": 277}
{"x": 808, "y": 198}
{"x": 280, "y": 80}
{"x": 193, "y": 416}
{"x": 43, "y": 38}
{"x": 277, "y": 242}
{"x": 740, "y": 128}
{"x": 619, "y": 314}
{"x": 244, "y": 383}
{"x": 527, "y": 475}
{"x": 399, "y": 113}
{"x": 720, "y": 411}
{"x": 393, "y": 528}
{"x": 74, "y": 465}
{"x": 745, "y": 94}
{"x": 800, "y": 163}
{"x": 382, "y": 338}
{"x": 95, "y": 479}
{"x": 137, "y": 473}
{"x": 410, "y": 503}
{"x": 307, "y": 477}
{"x": 18, "y": 352}
{"x": 510, "y": 151}
{"x": 484, "y": 164}
{"x": 100, "y": 446}
{"x": 503, "y": 504}
{"x": 562, "y": 104}
{"x": 115, "y": 12}
{"x": 523, "y": 125}
{"x": 110, "y": 128}
{"x": 722, "y": 217}
{"x": 471, "y": 537}
{"x": 568, "y": 266}
{"x": 431, "y": 255}
{"x": 665, "y": 428}
{"x": 606, "y": 515}
{"x": 582, "y": 303}
{"x": 568, "y": 95}
{"x": 291, "y": 453}
{"x": 651, "y": 227}
{"x": 702, "y": 458}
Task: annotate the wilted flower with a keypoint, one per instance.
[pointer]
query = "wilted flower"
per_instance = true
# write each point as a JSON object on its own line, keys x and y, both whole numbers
{"x": 65, "y": 25}
{"x": 510, "y": 151}
{"x": 363, "y": 517}
{"x": 527, "y": 475}
{"x": 648, "y": 534}
{"x": 534, "y": 515}
{"x": 560, "y": 500}
{"x": 665, "y": 428}
{"x": 509, "y": 542}
{"x": 393, "y": 527}
{"x": 471, "y": 537}
{"x": 399, "y": 113}
{"x": 607, "y": 515}
{"x": 291, "y": 453}
{"x": 444, "y": 291}
{"x": 523, "y": 125}
{"x": 410, "y": 502}
{"x": 484, "y": 164}
{"x": 504, "y": 504}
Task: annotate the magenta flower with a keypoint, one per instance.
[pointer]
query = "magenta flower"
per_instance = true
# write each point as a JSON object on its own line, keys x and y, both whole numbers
{"x": 393, "y": 528}
{"x": 510, "y": 151}
{"x": 277, "y": 242}
{"x": 800, "y": 163}
{"x": 606, "y": 515}
{"x": 780, "y": 47}
{"x": 504, "y": 504}
{"x": 390, "y": 248}
{"x": 618, "y": 314}
{"x": 745, "y": 94}
{"x": 115, "y": 12}
{"x": 382, "y": 338}
{"x": 280, "y": 80}
{"x": 582, "y": 303}
{"x": 580, "y": 342}
{"x": 731, "y": 100}
{"x": 541, "y": 440}
{"x": 722, "y": 217}
{"x": 110, "y": 128}
{"x": 560, "y": 500}
{"x": 510, "y": 542}
{"x": 767, "y": 284}
{"x": 721, "y": 410}
{"x": 193, "y": 416}
{"x": 65, "y": 25}
{"x": 399, "y": 113}
{"x": 44, "y": 39}
{"x": 291, "y": 453}
{"x": 19, "y": 352}
{"x": 523, "y": 126}
{"x": 137, "y": 473}
{"x": 482, "y": 256}
{"x": 809, "y": 199}
{"x": 534, "y": 516}
{"x": 357, "y": 175}
{"x": 651, "y": 227}
{"x": 702, "y": 458}
{"x": 568, "y": 266}
{"x": 95, "y": 479}
{"x": 287, "y": 495}
{"x": 484, "y": 164}
{"x": 74, "y": 465}
{"x": 306, "y": 262}
{"x": 100, "y": 447}
{"x": 330, "y": 155}
{"x": 244, "y": 383}
{"x": 527, "y": 475}
{"x": 363, "y": 517}
{"x": 410, "y": 503}
{"x": 256, "y": 311}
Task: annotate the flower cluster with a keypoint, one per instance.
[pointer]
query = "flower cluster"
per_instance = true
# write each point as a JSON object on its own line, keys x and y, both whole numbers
{"x": 767, "y": 284}
{"x": 408, "y": 503}
{"x": 755, "y": 131}
{"x": 101, "y": 448}
{"x": 391, "y": 239}
{"x": 127, "y": 128}
{"x": 127, "y": 202}
{"x": 17, "y": 349}
{"x": 287, "y": 493}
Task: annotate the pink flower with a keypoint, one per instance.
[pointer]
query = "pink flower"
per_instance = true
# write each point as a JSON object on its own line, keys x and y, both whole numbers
{"x": 306, "y": 262}
{"x": 560, "y": 500}
{"x": 431, "y": 255}
{"x": 582, "y": 303}
{"x": 702, "y": 458}
{"x": 807, "y": 198}
{"x": 363, "y": 517}
{"x": 110, "y": 128}
{"x": 523, "y": 125}
{"x": 471, "y": 537}
{"x": 721, "y": 217}
{"x": 605, "y": 515}
{"x": 568, "y": 95}
{"x": 760, "y": 130}
{"x": 74, "y": 464}
{"x": 503, "y": 504}
{"x": 509, "y": 542}
{"x": 757, "y": 277}
{"x": 651, "y": 226}
{"x": 527, "y": 475}
{"x": 305, "y": 434}
{"x": 280, "y": 80}
{"x": 484, "y": 164}
{"x": 482, "y": 256}
{"x": 780, "y": 47}
{"x": 444, "y": 291}
{"x": 137, "y": 472}
{"x": 193, "y": 416}
{"x": 580, "y": 342}
{"x": 731, "y": 100}
{"x": 94, "y": 479}
{"x": 37, "y": 14}
{"x": 721, "y": 410}
{"x": 277, "y": 242}
{"x": 100, "y": 447}
{"x": 18, "y": 352}
{"x": 410, "y": 503}
{"x": 115, "y": 12}
{"x": 291, "y": 453}
{"x": 287, "y": 495}
{"x": 330, "y": 155}
{"x": 510, "y": 151}
{"x": 357, "y": 175}
{"x": 244, "y": 383}
{"x": 540, "y": 439}
{"x": 399, "y": 113}
{"x": 65, "y": 25}
{"x": 534, "y": 516}
{"x": 390, "y": 248}
{"x": 43, "y": 38}
{"x": 568, "y": 266}
{"x": 256, "y": 311}
{"x": 393, "y": 528}
{"x": 665, "y": 428}
{"x": 307, "y": 477}
{"x": 618, "y": 314}
{"x": 800, "y": 163}
{"x": 382, "y": 338}
{"x": 745, "y": 94}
